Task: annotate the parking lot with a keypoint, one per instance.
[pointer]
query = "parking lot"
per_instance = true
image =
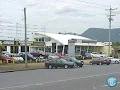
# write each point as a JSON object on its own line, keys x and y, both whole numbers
{"x": 89, "y": 77}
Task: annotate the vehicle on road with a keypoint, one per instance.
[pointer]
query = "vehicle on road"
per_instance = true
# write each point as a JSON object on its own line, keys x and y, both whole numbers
{"x": 100, "y": 61}
{"x": 78, "y": 63}
{"x": 55, "y": 63}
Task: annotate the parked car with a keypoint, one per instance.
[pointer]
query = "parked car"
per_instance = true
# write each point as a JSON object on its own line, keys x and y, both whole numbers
{"x": 100, "y": 61}
{"x": 29, "y": 56}
{"x": 95, "y": 54}
{"x": 78, "y": 63}
{"x": 88, "y": 55}
{"x": 39, "y": 55}
{"x": 114, "y": 60}
{"x": 6, "y": 59}
{"x": 5, "y": 53}
{"x": 52, "y": 56}
{"x": 55, "y": 63}
{"x": 18, "y": 59}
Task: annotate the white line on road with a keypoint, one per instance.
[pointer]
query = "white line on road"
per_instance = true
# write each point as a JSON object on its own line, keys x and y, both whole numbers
{"x": 65, "y": 80}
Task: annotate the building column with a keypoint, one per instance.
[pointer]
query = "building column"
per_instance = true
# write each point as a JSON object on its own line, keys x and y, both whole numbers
{"x": 43, "y": 49}
{"x": 19, "y": 49}
{"x": 80, "y": 50}
{"x": 87, "y": 48}
{"x": 63, "y": 50}
{"x": 56, "y": 48}
{"x": 51, "y": 49}
{"x": 8, "y": 49}
{"x": 94, "y": 49}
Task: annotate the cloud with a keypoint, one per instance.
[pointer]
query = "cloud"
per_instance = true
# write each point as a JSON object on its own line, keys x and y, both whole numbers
{"x": 74, "y": 12}
{"x": 66, "y": 10}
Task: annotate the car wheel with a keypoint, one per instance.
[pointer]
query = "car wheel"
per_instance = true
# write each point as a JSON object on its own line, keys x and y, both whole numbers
{"x": 50, "y": 66}
{"x": 66, "y": 66}
{"x": 98, "y": 63}
{"x": 101, "y": 63}
{"x": 81, "y": 66}
{"x": 75, "y": 65}
{"x": 55, "y": 67}
{"x": 91, "y": 63}
{"x": 116, "y": 62}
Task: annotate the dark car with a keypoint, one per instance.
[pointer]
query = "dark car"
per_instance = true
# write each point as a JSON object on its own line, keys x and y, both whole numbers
{"x": 100, "y": 61}
{"x": 78, "y": 63}
{"x": 29, "y": 56}
{"x": 38, "y": 55}
{"x": 55, "y": 63}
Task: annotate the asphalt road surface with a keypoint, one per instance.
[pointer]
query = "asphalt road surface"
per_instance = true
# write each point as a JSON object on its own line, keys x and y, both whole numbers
{"x": 87, "y": 78}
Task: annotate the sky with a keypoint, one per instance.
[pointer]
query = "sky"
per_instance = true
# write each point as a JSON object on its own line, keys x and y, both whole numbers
{"x": 55, "y": 16}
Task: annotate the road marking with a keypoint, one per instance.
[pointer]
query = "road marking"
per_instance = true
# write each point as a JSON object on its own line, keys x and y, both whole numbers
{"x": 65, "y": 80}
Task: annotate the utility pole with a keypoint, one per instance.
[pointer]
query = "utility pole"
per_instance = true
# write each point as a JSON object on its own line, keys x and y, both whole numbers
{"x": 25, "y": 37}
{"x": 44, "y": 30}
{"x": 15, "y": 40}
{"x": 110, "y": 19}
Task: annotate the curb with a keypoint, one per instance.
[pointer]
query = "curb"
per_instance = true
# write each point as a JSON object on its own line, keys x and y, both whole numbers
{"x": 7, "y": 71}
{"x": 26, "y": 69}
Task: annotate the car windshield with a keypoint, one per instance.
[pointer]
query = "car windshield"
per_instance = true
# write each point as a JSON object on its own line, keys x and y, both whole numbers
{"x": 73, "y": 59}
{"x": 63, "y": 60}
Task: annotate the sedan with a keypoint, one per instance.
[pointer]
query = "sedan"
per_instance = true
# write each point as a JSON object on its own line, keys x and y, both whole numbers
{"x": 29, "y": 56}
{"x": 6, "y": 59}
{"x": 78, "y": 63}
{"x": 18, "y": 59}
{"x": 55, "y": 63}
{"x": 100, "y": 61}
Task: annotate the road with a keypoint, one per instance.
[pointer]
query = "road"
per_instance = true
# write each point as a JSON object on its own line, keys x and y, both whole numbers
{"x": 87, "y": 78}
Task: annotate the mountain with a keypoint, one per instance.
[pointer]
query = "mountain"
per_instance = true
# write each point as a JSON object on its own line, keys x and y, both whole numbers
{"x": 101, "y": 35}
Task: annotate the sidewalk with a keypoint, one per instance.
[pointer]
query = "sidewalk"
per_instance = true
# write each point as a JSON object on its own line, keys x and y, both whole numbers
{"x": 20, "y": 67}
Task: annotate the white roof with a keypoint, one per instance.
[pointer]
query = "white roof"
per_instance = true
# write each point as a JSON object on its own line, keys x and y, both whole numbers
{"x": 63, "y": 38}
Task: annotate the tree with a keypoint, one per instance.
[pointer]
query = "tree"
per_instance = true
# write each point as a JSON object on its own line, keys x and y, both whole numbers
{"x": 116, "y": 47}
{"x": 2, "y": 47}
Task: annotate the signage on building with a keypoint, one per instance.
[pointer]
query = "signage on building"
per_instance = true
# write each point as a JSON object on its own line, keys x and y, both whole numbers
{"x": 8, "y": 42}
{"x": 38, "y": 44}
{"x": 22, "y": 43}
{"x": 72, "y": 41}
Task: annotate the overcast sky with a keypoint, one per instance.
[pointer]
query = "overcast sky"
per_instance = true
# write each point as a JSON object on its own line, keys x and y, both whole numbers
{"x": 56, "y": 15}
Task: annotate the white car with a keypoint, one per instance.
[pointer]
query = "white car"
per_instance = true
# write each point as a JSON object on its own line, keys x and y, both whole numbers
{"x": 114, "y": 60}
{"x": 18, "y": 59}
{"x": 95, "y": 54}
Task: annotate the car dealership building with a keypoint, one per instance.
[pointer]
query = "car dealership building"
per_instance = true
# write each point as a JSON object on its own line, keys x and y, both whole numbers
{"x": 55, "y": 43}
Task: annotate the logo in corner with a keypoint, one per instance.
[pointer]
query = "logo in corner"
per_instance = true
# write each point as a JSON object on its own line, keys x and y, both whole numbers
{"x": 112, "y": 81}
